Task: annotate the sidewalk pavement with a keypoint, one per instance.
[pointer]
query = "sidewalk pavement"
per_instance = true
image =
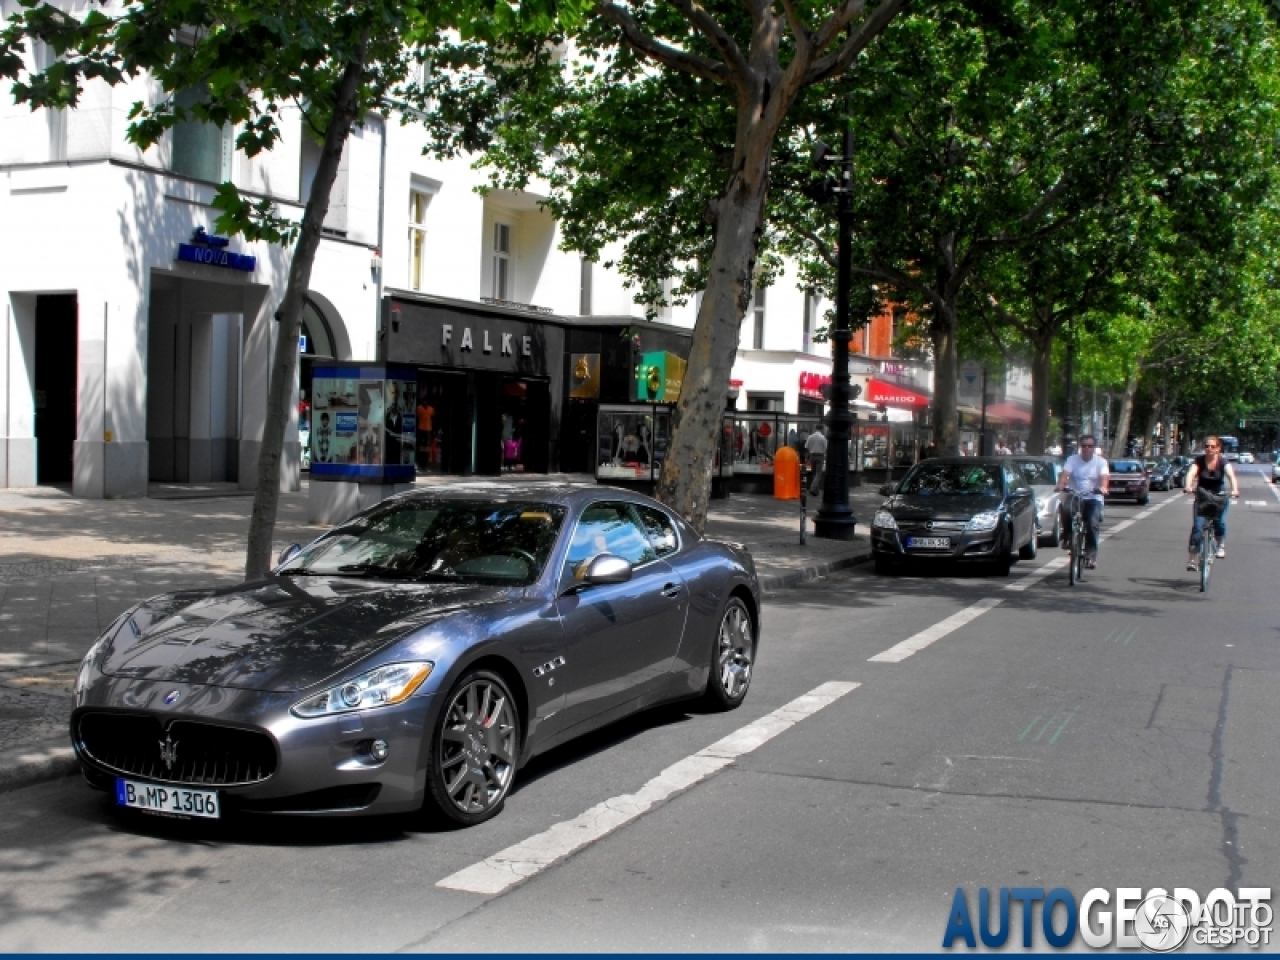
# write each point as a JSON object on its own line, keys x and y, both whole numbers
{"x": 69, "y": 566}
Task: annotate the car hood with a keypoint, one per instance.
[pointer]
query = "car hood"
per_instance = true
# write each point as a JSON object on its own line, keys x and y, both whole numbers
{"x": 282, "y": 634}
{"x": 934, "y": 507}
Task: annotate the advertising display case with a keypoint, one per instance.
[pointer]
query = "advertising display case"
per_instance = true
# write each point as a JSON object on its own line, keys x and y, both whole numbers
{"x": 754, "y": 440}
{"x": 631, "y": 445}
{"x": 363, "y": 423}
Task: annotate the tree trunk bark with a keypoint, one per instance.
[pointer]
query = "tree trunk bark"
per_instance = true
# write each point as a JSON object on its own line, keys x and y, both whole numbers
{"x": 1041, "y": 370}
{"x": 1167, "y": 401}
{"x": 685, "y": 482}
{"x": 1119, "y": 446}
{"x": 1148, "y": 436}
{"x": 946, "y": 424}
{"x": 284, "y": 362}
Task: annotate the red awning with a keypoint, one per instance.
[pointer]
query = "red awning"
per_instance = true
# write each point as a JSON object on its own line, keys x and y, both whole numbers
{"x": 1009, "y": 413}
{"x": 893, "y": 395}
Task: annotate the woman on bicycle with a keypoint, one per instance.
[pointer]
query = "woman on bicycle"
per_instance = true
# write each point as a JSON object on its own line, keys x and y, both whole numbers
{"x": 1210, "y": 472}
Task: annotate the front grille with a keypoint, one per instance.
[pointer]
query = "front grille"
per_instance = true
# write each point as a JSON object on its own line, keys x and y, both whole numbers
{"x": 199, "y": 753}
{"x": 938, "y": 527}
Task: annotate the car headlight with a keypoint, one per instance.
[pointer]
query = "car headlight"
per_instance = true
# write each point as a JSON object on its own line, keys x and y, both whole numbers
{"x": 986, "y": 520}
{"x": 392, "y": 683}
{"x": 883, "y": 520}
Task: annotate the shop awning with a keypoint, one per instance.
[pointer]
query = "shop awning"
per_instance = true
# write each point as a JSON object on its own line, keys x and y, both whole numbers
{"x": 1008, "y": 412}
{"x": 894, "y": 395}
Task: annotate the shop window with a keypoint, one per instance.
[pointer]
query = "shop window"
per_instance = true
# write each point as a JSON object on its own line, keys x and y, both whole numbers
{"x": 201, "y": 150}
{"x": 501, "y": 261}
{"x": 757, "y": 338}
{"x": 419, "y": 200}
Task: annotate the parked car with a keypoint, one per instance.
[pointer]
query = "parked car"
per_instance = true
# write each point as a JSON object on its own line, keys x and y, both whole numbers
{"x": 1180, "y": 467}
{"x": 1129, "y": 482}
{"x": 1275, "y": 471}
{"x": 1042, "y": 473}
{"x": 417, "y": 655}
{"x": 1246, "y": 456}
{"x": 971, "y": 509}
{"x": 1159, "y": 474}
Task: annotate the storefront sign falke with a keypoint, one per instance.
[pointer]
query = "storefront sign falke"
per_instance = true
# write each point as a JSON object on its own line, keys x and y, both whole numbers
{"x": 507, "y": 345}
{"x": 212, "y": 251}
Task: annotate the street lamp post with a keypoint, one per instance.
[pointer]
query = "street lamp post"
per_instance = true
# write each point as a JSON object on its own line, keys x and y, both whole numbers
{"x": 835, "y": 520}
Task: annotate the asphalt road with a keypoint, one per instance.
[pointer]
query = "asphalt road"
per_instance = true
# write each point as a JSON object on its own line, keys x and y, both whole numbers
{"x": 1119, "y": 733}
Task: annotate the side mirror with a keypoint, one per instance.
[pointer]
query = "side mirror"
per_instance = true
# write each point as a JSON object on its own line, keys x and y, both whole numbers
{"x": 287, "y": 554}
{"x": 607, "y": 568}
{"x": 886, "y": 489}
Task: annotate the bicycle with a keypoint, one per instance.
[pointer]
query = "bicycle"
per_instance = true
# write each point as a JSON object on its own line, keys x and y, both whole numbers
{"x": 1209, "y": 505}
{"x": 1075, "y": 569}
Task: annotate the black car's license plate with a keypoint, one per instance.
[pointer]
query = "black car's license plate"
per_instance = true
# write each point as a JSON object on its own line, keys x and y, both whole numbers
{"x": 929, "y": 543}
{"x": 175, "y": 801}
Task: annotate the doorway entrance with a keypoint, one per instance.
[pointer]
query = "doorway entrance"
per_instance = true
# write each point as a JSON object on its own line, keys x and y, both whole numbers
{"x": 478, "y": 422}
{"x": 56, "y": 386}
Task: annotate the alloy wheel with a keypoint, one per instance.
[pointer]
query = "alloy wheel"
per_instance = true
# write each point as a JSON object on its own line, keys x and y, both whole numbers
{"x": 736, "y": 649}
{"x": 478, "y": 746}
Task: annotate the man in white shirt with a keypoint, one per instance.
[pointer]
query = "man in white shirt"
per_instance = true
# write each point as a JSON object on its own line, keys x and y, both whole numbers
{"x": 815, "y": 449}
{"x": 1086, "y": 473}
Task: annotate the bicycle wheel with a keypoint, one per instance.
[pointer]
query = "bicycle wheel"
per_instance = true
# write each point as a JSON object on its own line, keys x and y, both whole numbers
{"x": 1072, "y": 569}
{"x": 1206, "y": 554}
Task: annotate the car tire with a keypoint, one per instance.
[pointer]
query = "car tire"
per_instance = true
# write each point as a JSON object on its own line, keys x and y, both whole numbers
{"x": 1004, "y": 562}
{"x": 1029, "y": 549}
{"x": 733, "y": 657}
{"x": 884, "y": 565}
{"x": 479, "y": 723}
{"x": 1143, "y": 500}
{"x": 1054, "y": 539}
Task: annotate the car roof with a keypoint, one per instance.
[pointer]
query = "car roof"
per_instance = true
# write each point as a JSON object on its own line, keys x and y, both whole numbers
{"x": 965, "y": 461}
{"x": 567, "y": 494}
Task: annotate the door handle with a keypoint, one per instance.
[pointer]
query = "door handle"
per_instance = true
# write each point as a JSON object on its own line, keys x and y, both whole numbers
{"x": 671, "y": 590}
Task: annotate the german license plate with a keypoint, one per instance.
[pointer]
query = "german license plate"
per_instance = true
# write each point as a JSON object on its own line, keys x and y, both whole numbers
{"x": 175, "y": 801}
{"x": 929, "y": 543}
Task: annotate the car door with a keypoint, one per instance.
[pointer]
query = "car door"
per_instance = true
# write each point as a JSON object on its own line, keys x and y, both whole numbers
{"x": 1021, "y": 506}
{"x": 620, "y": 638}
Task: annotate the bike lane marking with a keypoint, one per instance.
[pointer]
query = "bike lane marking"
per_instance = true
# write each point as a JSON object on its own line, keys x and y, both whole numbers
{"x": 528, "y": 858}
{"x": 900, "y": 651}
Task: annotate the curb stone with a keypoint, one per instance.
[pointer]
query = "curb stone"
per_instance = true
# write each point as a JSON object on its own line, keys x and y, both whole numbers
{"x": 52, "y": 759}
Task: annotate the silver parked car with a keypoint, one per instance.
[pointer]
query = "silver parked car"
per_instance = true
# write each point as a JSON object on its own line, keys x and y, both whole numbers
{"x": 420, "y": 653}
{"x": 1042, "y": 473}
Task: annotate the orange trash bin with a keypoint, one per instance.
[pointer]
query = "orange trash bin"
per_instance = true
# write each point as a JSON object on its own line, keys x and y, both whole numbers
{"x": 786, "y": 475}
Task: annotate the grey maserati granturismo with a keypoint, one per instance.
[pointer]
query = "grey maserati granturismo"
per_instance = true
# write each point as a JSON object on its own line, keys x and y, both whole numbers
{"x": 416, "y": 655}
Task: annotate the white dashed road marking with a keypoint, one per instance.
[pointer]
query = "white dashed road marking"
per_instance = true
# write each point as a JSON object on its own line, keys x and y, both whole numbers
{"x": 529, "y": 857}
{"x": 900, "y": 651}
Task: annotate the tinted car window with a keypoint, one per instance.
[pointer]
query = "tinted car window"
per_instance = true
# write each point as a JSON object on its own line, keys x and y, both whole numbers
{"x": 1126, "y": 466}
{"x": 1038, "y": 473}
{"x": 452, "y": 540}
{"x": 661, "y": 531}
{"x": 952, "y": 479}
{"x": 608, "y": 528}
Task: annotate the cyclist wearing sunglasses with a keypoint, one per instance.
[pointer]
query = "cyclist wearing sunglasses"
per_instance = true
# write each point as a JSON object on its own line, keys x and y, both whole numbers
{"x": 1087, "y": 474}
{"x": 1210, "y": 472}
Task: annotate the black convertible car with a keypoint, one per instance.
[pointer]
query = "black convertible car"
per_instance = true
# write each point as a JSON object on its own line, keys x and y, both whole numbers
{"x": 421, "y": 652}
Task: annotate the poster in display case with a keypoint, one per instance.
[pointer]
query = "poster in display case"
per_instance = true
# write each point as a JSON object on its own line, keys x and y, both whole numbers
{"x": 632, "y": 442}
{"x": 363, "y": 422}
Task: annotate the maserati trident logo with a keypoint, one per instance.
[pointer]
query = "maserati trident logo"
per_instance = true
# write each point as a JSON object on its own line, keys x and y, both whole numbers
{"x": 168, "y": 752}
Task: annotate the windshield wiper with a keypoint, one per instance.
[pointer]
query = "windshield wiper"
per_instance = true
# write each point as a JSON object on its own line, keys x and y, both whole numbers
{"x": 298, "y": 572}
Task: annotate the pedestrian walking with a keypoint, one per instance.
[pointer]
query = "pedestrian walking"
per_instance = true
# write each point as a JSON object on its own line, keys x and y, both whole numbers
{"x": 815, "y": 449}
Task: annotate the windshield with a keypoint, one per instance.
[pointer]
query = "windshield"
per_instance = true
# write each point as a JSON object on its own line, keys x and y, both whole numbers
{"x": 1039, "y": 473}
{"x": 952, "y": 479}
{"x": 1126, "y": 466}
{"x": 439, "y": 540}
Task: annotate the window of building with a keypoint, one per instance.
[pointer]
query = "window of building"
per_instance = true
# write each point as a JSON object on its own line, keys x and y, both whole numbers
{"x": 201, "y": 150}
{"x": 765, "y": 402}
{"x": 810, "y": 320}
{"x": 757, "y": 339}
{"x": 501, "y": 261}
{"x": 419, "y": 200}
{"x": 584, "y": 288}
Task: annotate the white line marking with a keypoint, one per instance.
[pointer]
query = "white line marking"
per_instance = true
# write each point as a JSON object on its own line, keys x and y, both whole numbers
{"x": 1274, "y": 490}
{"x": 900, "y": 651}
{"x": 529, "y": 857}
{"x": 1057, "y": 563}
{"x": 1255, "y": 503}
